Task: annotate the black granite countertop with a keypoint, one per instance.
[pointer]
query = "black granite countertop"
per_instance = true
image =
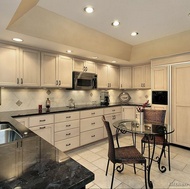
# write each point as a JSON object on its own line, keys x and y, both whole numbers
{"x": 52, "y": 175}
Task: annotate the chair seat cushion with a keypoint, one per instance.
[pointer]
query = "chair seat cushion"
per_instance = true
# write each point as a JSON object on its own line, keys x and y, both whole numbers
{"x": 128, "y": 154}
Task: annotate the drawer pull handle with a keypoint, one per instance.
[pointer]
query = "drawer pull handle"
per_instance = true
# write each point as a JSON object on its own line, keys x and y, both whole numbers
{"x": 93, "y": 113}
{"x": 68, "y": 125}
{"x": 68, "y": 117}
{"x": 113, "y": 110}
{"x": 42, "y": 120}
{"x": 67, "y": 134}
{"x": 93, "y": 123}
{"x": 68, "y": 144}
{"x": 93, "y": 135}
{"x": 42, "y": 127}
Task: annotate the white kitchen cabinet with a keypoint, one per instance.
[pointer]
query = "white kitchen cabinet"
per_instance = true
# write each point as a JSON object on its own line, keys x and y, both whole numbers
{"x": 108, "y": 76}
{"x": 141, "y": 76}
{"x": 129, "y": 112}
{"x": 84, "y": 66}
{"x": 112, "y": 114}
{"x": 66, "y": 130}
{"x": 91, "y": 126}
{"x": 125, "y": 77}
{"x": 23, "y": 121}
{"x": 19, "y": 66}
{"x": 159, "y": 78}
{"x": 29, "y": 68}
{"x": 43, "y": 126}
{"x": 56, "y": 70}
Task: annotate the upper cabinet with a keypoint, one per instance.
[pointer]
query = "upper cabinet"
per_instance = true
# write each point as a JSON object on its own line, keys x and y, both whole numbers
{"x": 19, "y": 66}
{"x": 141, "y": 77}
{"x": 159, "y": 78}
{"x": 125, "y": 77}
{"x": 84, "y": 66}
{"x": 56, "y": 70}
{"x": 108, "y": 76}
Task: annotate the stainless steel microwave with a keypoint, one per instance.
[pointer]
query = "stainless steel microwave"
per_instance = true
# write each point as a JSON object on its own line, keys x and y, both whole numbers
{"x": 84, "y": 81}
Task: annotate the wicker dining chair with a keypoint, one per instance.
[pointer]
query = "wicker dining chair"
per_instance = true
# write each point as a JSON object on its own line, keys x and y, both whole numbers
{"x": 156, "y": 117}
{"x": 122, "y": 155}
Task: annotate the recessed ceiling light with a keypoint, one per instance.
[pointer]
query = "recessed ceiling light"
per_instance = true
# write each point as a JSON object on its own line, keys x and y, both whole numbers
{"x": 113, "y": 61}
{"x": 68, "y": 51}
{"x": 134, "y": 33}
{"x": 17, "y": 39}
{"x": 115, "y": 23}
{"x": 89, "y": 9}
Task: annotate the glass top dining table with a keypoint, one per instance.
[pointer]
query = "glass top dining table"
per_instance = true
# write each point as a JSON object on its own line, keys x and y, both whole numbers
{"x": 149, "y": 130}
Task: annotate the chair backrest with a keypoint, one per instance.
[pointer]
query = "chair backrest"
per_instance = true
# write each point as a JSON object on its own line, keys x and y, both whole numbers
{"x": 111, "y": 149}
{"x": 154, "y": 116}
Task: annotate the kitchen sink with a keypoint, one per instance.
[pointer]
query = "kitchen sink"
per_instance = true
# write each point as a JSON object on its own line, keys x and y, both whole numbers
{"x": 7, "y": 133}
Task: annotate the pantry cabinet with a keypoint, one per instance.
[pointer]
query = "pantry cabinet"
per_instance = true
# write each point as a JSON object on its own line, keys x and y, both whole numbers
{"x": 108, "y": 76}
{"x": 19, "y": 66}
{"x": 159, "y": 78}
{"x": 125, "y": 77}
{"x": 84, "y": 66}
{"x": 56, "y": 70}
{"x": 141, "y": 77}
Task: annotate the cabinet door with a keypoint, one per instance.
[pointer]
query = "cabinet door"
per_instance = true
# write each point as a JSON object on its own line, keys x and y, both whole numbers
{"x": 78, "y": 65}
{"x": 9, "y": 65}
{"x": 129, "y": 112}
{"x": 113, "y": 77}
{"x": 181, "y": 104}
{"x": 159, "y": 78}
{"x": 65, "y": 72}
{"x": 48, "y": 69}
{"x": 90, "y": 67}
{"x": 45, "y": 131}
{"x": 147, "y": 76}
{"x": 125, "y": 77}
{"x": 137, "y": 77}
{"x": 102, "y": 72}
{"x": 29, "y": 67}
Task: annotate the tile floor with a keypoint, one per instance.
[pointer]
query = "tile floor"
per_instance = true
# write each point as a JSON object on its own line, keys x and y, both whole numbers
{"x": 94, "y": 158}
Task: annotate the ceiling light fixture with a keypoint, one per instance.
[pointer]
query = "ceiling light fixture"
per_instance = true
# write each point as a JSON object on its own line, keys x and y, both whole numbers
{"x": 68, "y": 51}
{"x": 17, "y": 39}
{"x": 89, "y": 9}
{"x": 134, "y": 33}
{"x": 115, "y": 23}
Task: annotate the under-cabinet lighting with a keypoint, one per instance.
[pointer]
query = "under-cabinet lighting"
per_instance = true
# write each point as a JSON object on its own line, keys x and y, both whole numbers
{"x": 17, "y": 39}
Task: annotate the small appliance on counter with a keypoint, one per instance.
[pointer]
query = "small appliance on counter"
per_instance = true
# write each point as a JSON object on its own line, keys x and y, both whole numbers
{"x": 104, "y": 98}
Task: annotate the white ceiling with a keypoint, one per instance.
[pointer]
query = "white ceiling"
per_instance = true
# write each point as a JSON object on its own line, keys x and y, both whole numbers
{"x": 152, "y": 19}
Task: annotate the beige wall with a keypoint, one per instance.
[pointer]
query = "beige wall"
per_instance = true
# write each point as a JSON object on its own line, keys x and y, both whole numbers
{"x": 171, "y": 45}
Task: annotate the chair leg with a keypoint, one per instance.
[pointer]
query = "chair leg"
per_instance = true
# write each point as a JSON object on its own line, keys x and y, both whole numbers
{"x": 142, "y": 147}
{"x": 112, "y": 176}
{"x": 169, "y": 158}
{"x": 145, "y": 178}
{"x": 107, "y": 167}
{"x": 134, "y": 168}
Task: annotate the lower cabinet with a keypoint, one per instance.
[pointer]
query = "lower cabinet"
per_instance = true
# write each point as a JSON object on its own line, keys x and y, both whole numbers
{"x": 91, "y": 136}
{"x": 129, "y": 112}
{"x": 66, "y": 131}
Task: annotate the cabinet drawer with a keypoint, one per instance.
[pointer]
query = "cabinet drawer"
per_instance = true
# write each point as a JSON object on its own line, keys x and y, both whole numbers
{"x": 40, "y": 120}
{"x": 91, "y": 123}
{"x": 91, "y": 136}
{"x": 66, "y": 125}
{"x": 66, "y": 116}
{"x": 61, "y": 135}
{"x": 68, "y": 144}
{"x": 112, "y": 110}
{"x": 91, "y": 113}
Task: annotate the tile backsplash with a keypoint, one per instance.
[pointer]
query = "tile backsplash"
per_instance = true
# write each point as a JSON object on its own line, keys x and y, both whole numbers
{"x": 23, "y": 99}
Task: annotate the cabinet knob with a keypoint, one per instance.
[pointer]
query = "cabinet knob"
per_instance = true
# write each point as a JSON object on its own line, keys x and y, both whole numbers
{"x": 21, "y": 81}
{"x": 59, "y": 82}
{"x": 56, "y": 82}
{"x": 17, "y": 80}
